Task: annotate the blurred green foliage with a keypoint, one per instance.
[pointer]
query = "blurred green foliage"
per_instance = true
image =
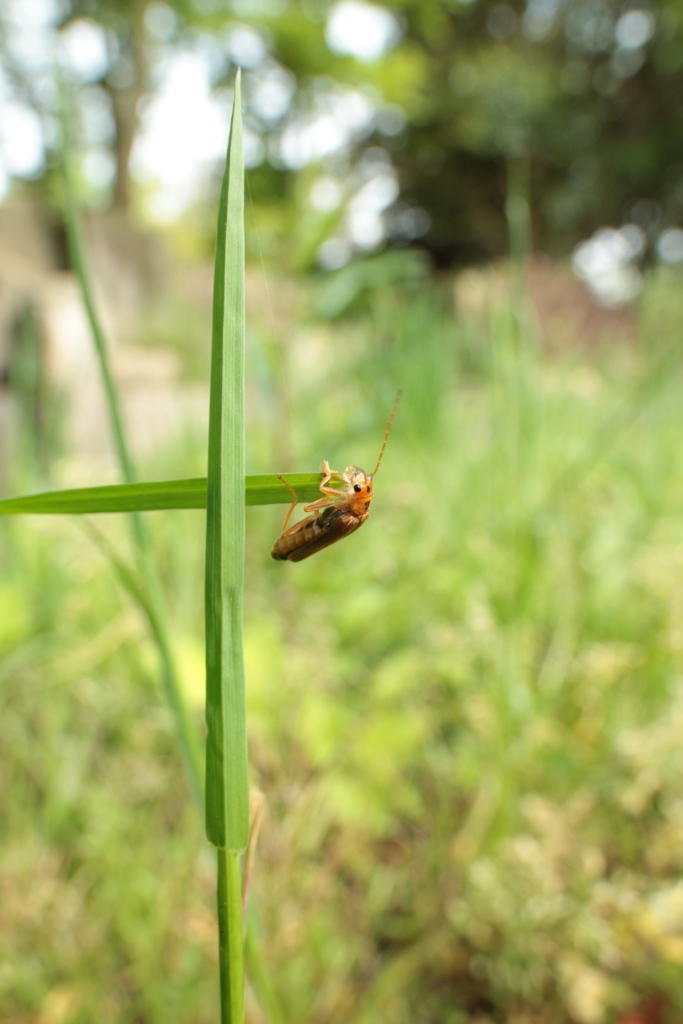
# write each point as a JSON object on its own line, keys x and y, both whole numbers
{"x": 575, "y": 105}
{"x": 466, "y": 718}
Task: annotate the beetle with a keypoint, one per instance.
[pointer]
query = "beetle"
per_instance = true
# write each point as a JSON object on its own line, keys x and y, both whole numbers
{"x": 337, "y": 514}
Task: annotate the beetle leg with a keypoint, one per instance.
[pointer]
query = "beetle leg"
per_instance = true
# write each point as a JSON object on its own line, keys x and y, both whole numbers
{"x": 330, "y": 493}
{"x": 294, "y": 503}
{"x": 327, "y": 475}
{"x": 298, "y": 526}
{"x": 321, "y": 503}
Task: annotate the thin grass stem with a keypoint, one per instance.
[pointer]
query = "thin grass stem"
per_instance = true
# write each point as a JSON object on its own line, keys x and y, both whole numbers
{"x": 230, "y": 940}
{"x": 154, "y": 609}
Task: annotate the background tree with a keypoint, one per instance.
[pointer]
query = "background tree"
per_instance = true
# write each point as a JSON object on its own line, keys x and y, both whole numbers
{"x": 578, "y": 105}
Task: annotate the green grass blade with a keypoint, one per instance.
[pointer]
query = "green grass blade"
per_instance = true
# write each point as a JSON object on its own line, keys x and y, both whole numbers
{"x": 79, "y": 262}
{"x": 186, "y": 730}
{"x": 227, "y": 783}
{"x": 265, "y": 489}
{"x": 227, "y": 795}
{"x": 125, "y": 573}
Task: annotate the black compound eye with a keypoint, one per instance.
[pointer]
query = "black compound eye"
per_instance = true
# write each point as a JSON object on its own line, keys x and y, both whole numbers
{"x": 357, "y": 488}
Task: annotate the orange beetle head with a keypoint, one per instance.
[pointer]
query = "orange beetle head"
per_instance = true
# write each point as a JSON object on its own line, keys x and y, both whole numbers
{"x": 359, "y": 492}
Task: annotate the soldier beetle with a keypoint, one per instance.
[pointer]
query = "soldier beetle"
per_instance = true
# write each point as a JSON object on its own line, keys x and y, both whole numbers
{"x": 335, "y": 515}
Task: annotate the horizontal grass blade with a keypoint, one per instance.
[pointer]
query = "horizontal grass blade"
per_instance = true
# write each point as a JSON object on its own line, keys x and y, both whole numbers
{"x": 265, "y": 489}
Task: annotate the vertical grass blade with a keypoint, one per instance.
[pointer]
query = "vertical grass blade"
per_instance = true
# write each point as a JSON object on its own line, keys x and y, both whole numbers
{"x": 227, "y": 796}
{"x": 153, "y": 604}
{"x": 77, "y": 255}
{"x": 227, "y": 800}
{"x": 227, "y": 788}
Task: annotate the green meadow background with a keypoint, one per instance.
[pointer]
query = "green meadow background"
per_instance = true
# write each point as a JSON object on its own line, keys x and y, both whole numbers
{"x": 465, "y": 720}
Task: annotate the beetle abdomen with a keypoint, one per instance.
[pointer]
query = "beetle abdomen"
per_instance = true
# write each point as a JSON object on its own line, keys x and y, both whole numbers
{"x": 315, "y": 533}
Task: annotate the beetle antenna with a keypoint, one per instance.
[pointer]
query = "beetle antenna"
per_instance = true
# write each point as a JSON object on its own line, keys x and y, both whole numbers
{"x": 388, "y": 428}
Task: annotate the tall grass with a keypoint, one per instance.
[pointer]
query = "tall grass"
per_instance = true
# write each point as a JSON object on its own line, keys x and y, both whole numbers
{"x": 227, "y": 797}
{"x": 223, "y": 495}
{"x": 227, "y": 787}
{"x": 466, "y": 718}
{"x": 471, "y": 756}
{"x": 149, "y": 589}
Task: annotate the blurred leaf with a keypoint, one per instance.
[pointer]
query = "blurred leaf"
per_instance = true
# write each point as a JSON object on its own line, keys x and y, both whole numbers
{"x": 357, "y": 285}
